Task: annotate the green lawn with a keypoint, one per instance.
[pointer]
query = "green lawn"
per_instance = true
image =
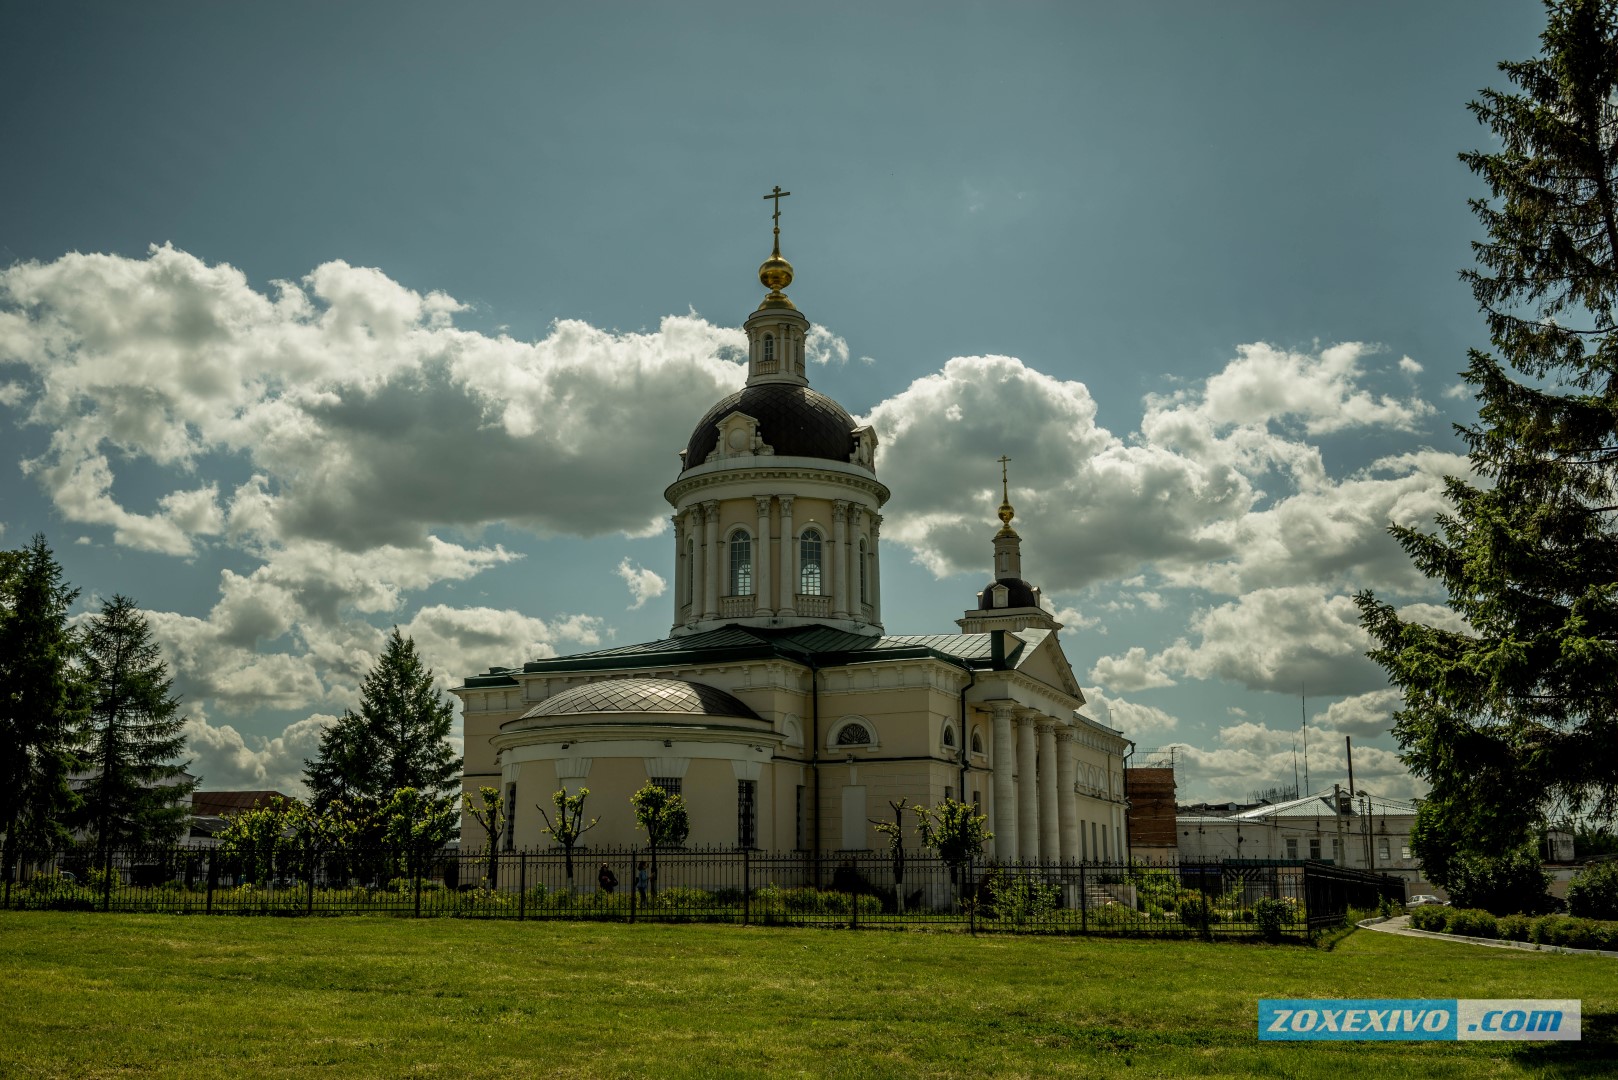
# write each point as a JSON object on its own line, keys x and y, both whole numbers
{"x": 88, "y": 995}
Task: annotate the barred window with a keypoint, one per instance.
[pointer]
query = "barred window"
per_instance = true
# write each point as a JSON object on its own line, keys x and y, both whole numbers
{"x": 747, "y": 813}
{"x": 669, "y": 784}
{"x": 854, "y": 735}
{"x": 741, "y": 564}
{"x": 809, "y": 576}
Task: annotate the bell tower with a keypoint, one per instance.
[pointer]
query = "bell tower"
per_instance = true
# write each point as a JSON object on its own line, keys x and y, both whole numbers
{"x": 1008, "y": 602}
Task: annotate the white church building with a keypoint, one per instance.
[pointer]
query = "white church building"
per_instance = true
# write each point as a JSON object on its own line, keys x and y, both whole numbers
{"x": 778, "y": 707}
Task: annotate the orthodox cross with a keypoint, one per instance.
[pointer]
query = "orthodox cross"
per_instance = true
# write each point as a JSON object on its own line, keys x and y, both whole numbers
{"x": 777, "y": 195}
{"x": 1005, "y": 495}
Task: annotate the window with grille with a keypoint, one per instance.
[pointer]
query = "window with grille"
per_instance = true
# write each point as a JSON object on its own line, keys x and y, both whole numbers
{"x": 1337, "y": 851}
{"x": 747, "y": 813}
{"x": 741, "y": 564}
{"x": 854, "y": 735}
{"x": 669, "y": 784}
{"x": 1404, "y": 853}
{"x": 1384, "y": 853}
{"x": 809, "y": 575}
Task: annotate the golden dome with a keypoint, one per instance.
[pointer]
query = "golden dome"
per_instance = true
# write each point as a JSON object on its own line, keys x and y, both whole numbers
{"x": 775, "y": 273}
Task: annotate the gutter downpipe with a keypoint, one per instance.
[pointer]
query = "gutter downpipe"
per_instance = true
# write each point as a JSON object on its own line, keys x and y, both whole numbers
{"x": 966, "y": 734}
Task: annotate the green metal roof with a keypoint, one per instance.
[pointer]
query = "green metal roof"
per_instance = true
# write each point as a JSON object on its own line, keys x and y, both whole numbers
{"x": 818, "y": 645}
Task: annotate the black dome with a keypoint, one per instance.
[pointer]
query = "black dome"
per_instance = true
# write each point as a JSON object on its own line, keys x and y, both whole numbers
{"x": 794, "y": 420}
{"x": 1020, "y": 594}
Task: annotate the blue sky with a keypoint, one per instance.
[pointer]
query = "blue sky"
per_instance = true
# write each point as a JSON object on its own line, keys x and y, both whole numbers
{"x": 315, "y": 319}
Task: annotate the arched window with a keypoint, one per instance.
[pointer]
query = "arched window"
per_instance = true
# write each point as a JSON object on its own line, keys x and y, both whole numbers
{"x": 949, "y": 736}
{"x": 741, "y": 563}
{"x": 977, "y": 742}
{"x": 865, "y": 591}
{"x": 854, "y": 734}
{"x": 769, "y": 348}
{"x": 809, "y": 576}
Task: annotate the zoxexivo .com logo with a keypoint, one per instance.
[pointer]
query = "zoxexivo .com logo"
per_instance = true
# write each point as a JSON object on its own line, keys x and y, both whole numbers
{"x": 1418, "y": 1018}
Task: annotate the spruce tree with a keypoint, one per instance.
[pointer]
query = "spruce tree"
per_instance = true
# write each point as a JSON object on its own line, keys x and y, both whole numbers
{"x": 138, "y": 792}
{"x": 1515, "y": 718}
{"x": 398, "y": 739}
{"x": 41, "y": 700}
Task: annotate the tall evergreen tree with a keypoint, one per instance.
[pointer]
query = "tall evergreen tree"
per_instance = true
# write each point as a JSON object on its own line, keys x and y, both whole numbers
{"x": 1516, "y": 717}
{"x": 398, "y": 739}
{"x": 41, "y": 700}
{"x": 138, "y": 792}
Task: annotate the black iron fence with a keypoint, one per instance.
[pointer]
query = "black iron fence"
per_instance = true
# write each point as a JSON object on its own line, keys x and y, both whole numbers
{"x": 846, "y": 889}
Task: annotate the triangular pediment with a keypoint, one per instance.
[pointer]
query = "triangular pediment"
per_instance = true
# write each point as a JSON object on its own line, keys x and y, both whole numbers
{"x": 1042, "y": 658}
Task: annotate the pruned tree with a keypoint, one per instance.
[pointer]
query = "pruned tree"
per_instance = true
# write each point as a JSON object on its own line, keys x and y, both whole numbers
{"x": 568, "y": 824}
{"x": 489, "y": 811}
{"x": 417, "y": 825}
{"x": 664, "y": 818}
{"x": 132, "y": 737}
{"x": 956, "y": 831}
{"x": 1511, "y": 711}
{"x": 895, "y": 832}
{"x": 257, "y": 840}
{"x": 42, "y": 702}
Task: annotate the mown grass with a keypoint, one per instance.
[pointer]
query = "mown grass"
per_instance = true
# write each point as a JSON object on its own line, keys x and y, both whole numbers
{"x": 89, "y": 995}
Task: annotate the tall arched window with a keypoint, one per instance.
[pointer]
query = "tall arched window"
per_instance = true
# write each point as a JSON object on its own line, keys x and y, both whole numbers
{"x": 865, "y": 591}
{"x": 769, "y": 348}
{"x": 741, "y": 563}
{"x": 809, "y": 576}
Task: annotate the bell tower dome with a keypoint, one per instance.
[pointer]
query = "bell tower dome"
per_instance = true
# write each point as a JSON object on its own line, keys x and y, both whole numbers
{"x": 775, "y": 508}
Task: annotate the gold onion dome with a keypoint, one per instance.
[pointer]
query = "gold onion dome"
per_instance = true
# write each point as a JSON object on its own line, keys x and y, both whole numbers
{"x": 775, "y": 274}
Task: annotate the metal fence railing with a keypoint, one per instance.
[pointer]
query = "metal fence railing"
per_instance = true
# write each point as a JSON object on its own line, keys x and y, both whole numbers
{"x": 846, "y": 889}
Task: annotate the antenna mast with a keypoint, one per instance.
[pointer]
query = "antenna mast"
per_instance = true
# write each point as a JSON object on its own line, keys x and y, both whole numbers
{"x": 1303, "y": 713}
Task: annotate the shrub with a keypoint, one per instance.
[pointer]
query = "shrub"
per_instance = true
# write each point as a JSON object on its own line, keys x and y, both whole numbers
{"x": 1197, "y": 913}
{"x": 1593, "y": 893}
{"x": 1430, "y": 918}
{"x": 1506, "y": 884}
{"x": 1273, "y": 917}
{"x": 1514, "y": 927}
{"x": 1471, "y": 922}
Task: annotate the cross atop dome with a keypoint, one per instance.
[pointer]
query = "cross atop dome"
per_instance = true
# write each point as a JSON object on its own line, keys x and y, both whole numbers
{"x": 775, "y": 273}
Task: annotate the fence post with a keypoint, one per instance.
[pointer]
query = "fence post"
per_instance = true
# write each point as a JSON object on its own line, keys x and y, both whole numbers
{"x": 213, "y": 879}
{"x": 747, "y": 878}
{"x": 634, "y": 880}
{"x": 106, "y": 882}
{"x": 1084, "y": 903}
{"x": 522, "y": 885}
{"x": 854, "y": 900}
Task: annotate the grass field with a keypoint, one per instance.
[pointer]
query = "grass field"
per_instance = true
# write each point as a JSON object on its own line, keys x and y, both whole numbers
{"x": 87, "y": 995}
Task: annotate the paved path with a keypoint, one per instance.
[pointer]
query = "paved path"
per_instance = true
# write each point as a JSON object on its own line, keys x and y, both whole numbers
{"x": 1400, "y": 924}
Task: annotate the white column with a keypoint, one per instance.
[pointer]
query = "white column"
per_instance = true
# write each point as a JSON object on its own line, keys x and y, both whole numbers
{"x": 710, "y": 539}
{"x": 680, "y": 567}
{"x": 1005, "y": 787}
{"x": 876, "y": 571}
{"x": 856, "y": 522}
{"x": 1050, "y": 845}
{"x": 1027, "y": 788}
{"x": 789, "y": 560}
{"x": 1067, "y": 807}
{"x": 761, "y": 558}
{"x": 839, "y": 515}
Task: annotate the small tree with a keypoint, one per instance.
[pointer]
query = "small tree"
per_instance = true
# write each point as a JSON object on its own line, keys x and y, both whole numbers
{"x": 256, "y": 839}
{"x": 956, "y": 831}
{"x": 663, "y": 817}
{"x": 895, "y": 832}
{"x": 133, "y": 734}
{"x": 417, "y": 825}
{"x": 315, "y": 835}
{"x": 489, "y": 811}
{"x": 569, "y": 824}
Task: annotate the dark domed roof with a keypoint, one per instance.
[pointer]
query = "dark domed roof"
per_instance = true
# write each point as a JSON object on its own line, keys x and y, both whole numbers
{"x": 794, "y": 420}
{"x": 642, "y": 696}
{"x": 1021, "y": 594}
